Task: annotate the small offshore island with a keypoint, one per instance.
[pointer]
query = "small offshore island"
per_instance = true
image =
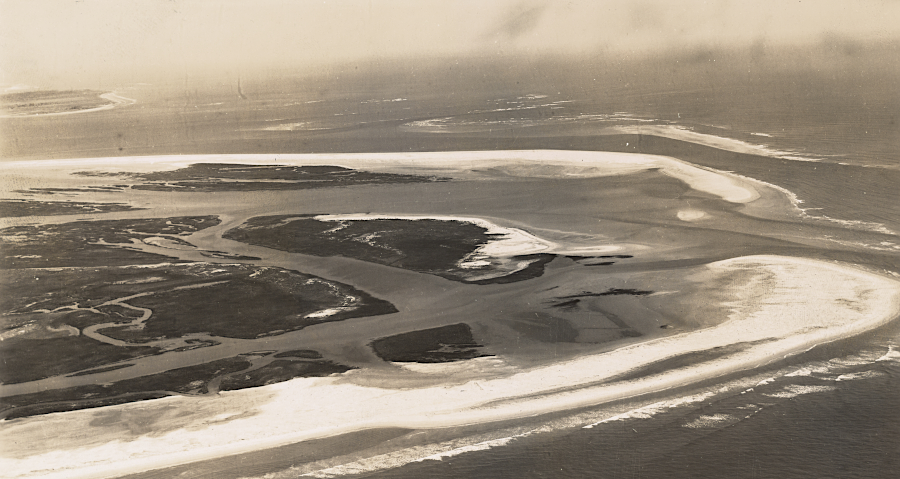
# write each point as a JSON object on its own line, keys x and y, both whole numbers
{"x": 58, "y": 102}
{"x": 236, "y": 323}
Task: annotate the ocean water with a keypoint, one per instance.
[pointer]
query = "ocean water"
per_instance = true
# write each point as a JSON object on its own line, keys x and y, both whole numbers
{"x": 833, "y": 411}
{"x": 827, "y": 414}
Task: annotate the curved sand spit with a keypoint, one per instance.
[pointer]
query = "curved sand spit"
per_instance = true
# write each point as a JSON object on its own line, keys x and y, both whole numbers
{"x": 117, "y": 100}
{"x": 526, "y": 163}
{"x": 681, "y": 133}
{"x": 792, "y": 303}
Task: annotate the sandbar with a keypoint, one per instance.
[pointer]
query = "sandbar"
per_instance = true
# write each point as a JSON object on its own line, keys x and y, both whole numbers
{"x": 524, "y": 163}
{"x": 676, "y": 132}
{"x": 117, "y": 100}
{"x": 791, "y": 303}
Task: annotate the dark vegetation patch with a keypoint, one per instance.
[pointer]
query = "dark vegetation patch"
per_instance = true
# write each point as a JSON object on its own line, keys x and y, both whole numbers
{"x": 256, "y": 354}
{"x": 235, "y": 300}
{"x": 230, "y": 300}
{"x": 32, "y": 359}
{"x": 535, "y": 269}
{"x": 300, "y": 353}
{"x": 191, "y": 379}
{"x": 243, "y": 301}
{"x": 609, "y": 292}
{"x": 570, "y": 302}
{"x": 50, "y": 101}
{"x": 429, "y": 246}
{"x": 581, "y": 259}
{"x": 281, "y": 370}
{"x": 31, "y": 293}
{"x": 13, "y": 412}
{"x": 426, "y": 246}
{"x": 567, "y": 305}
{"x": 434, "y": 345}
{"x": 113, "y": 312}
{"x": 238, "y": 177}
{"x": 92, "y": 243}
{"x": 19, "y": 208}
{"x": 81, "y": 319}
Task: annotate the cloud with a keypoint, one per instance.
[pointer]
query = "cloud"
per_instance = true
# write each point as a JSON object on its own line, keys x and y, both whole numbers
{"x": 48, "y": 41}
{"x": 520, "y": 20}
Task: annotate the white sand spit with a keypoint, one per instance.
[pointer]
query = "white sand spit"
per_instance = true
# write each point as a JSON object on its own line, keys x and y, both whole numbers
{"x": 116, "y": 100}
{"x": 791, "y": 304}
{"x": 526, "y": 163}
{"x": 681, "y": 133}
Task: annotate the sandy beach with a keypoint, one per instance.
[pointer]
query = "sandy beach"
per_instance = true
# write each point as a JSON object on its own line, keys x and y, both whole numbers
{"x": 524, "y": 163}
{"x": 728, "y": 144}
{"x": 835, "y": 301}
{"x": 117, "y": 101}
{"x": 766, "y": 307}
{"x": 514, "y": 240}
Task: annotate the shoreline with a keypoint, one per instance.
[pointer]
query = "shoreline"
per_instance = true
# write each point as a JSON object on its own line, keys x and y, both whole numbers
{"x": 324, "y": 403}
{"x": 516, "y": 241}
{"x": 117, "y": 100}
{"x": 567, "y": 163}
{"x": 677, "y": 132}
{"x": 317, "y": 408}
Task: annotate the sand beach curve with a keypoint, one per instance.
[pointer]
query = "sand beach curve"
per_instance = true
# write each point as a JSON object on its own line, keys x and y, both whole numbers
{"x": 837, "y": 301}
{"x": 525, "y": 163}
{"x": 117, "y": 101}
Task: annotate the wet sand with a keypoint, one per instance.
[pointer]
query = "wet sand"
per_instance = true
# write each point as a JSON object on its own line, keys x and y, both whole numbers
{"x": 838, "y": 301}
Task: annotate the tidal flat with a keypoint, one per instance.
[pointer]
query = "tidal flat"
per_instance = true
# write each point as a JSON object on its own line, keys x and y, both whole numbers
{"x": 437, "y": 290}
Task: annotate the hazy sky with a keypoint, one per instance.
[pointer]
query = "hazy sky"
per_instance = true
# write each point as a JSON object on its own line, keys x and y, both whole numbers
{"x": 52, "y": 42}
